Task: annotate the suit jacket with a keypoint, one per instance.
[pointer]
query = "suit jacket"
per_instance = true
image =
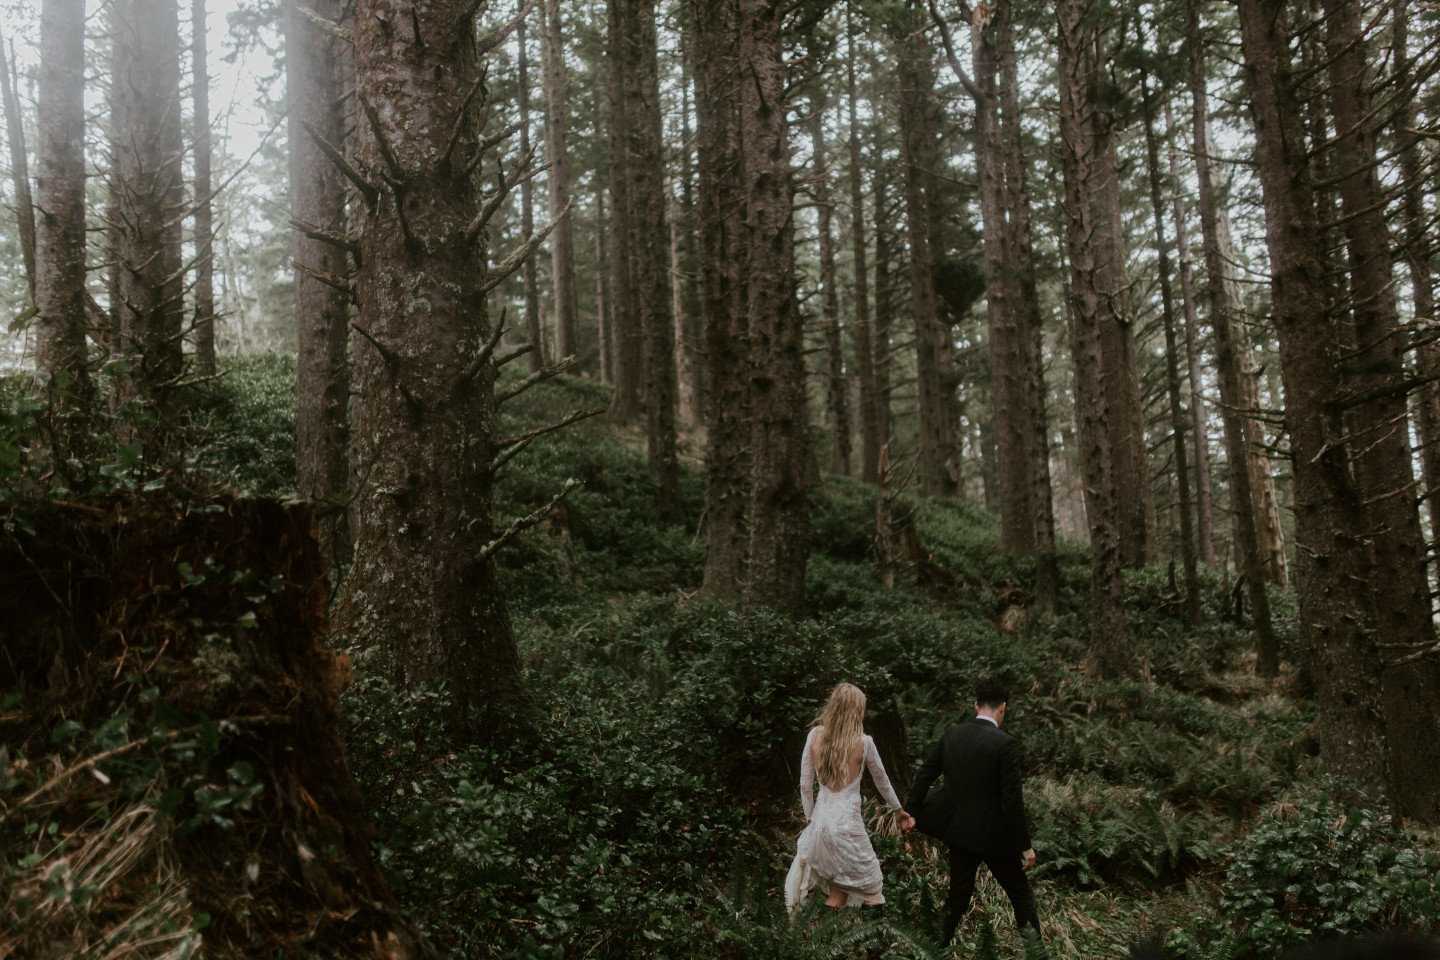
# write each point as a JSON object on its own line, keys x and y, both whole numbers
{"x": 981, "y": 766}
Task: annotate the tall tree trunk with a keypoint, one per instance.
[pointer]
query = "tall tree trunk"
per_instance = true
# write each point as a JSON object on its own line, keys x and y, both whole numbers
{"x": 778, "y": 512}
{"x": 1410, "y": 678}
{"x": 1029, "y": 322}
{"x": 625, "y": 324}
{"x": 863, "y": 339}
{"x": 1089, "y": 275}
{"x": 690, "y": 349}
{"x": 602, "y": 285}
{"x": 1134, "y": 498}
{"x": 60, "y": 195}
{"x": 722, "y": 256}
{"x": 528, "y": 273}
{"x": 148, "y": 151}
{"x": 423, "y": 591}
{"x": 1337, "y": 614}
{"x": 837, "y": 402}
{"x": 1010, "y": 435}
{"x": 1204, "y": 510}
{"x": 204, "y": 220}
{"x": 322, "y": 311}
{"x": 1418, "y": 253}
{"x": 938, "y": 428}
{"x": 650, "y": 250}
{"x": 1224, "y": 300}
{"x": 562, "y": 255}
{"x": 884, "y": 306}
{"x": 1172, "y": 361}
{"x": 19, "y": 164}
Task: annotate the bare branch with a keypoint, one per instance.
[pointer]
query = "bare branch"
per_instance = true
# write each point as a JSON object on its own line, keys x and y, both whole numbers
{"x": 344, "y": 241}
{"x": 515, "y": 354}
{"x": 486, "y": 145}
{"x": 475, "y": 365}
{"x": 513, "y": 445}
{"x": 492, "y": 40}
{"x": 514, "y": 261}
{"x": 392, "y": 359}
{"x": 453, "y": 140}
{"x": 392, "y": 162}
{"x": 539, "y": 376}
{"x": 329, "y": 26}
{"x": 329, "y": 279}
{"x": 525, "y": 523}
{"x": 368, "y": 190}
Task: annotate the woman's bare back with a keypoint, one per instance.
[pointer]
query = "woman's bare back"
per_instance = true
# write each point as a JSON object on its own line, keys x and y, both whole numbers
{"x": 853, "y": 762}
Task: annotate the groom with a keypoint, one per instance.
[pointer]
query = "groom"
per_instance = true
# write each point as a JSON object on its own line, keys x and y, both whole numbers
{"x": 981, "y": 766}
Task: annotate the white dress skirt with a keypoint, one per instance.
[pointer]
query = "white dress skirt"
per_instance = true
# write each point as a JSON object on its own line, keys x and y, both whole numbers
{"x": 834, "y": 849}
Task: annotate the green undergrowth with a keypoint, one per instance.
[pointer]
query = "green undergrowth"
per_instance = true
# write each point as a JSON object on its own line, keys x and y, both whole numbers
{"x": 657, "y": 814}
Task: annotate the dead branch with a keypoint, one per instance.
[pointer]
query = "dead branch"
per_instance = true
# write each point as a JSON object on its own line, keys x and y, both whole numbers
{"x": 368, "y": 190}
{"x": 486, "y": 351}
{"x": 493, "y": 39}
{"x": 514, "y": 261}
{"x": 525, "y": 522}
{"x": 539, "y": 376}
{"x": 511, "y": 446}
{"x": 329, "y": 279}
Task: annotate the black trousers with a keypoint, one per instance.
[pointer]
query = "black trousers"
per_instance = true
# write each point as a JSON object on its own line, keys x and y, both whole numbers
{"x": 1008, "y": 872}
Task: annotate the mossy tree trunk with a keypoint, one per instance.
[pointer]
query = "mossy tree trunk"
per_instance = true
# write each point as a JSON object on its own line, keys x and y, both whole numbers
{"x": 60, "y": 195}
{"x": 423, "y": 592}
{"x": 718, "y": 74}
{"x": 778, "y": 509}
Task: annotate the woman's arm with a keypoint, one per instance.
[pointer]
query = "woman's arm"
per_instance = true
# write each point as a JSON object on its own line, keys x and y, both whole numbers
{"x": 877, "y": 773}
{"x": 807, "y": 777}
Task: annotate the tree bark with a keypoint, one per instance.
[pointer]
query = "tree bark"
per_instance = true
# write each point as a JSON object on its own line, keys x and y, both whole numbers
{"x": 884, "y": 305}
{"x": 602, "y": 284}
{"x": 317, "y": 196}
{"x": 1134, "y": 498}
{"x": 1224, "y": 300}
{"x": 939, "y": 434}
{"x": 1204, "y": 509}
{"x": 1337, "y": 615}
{"x": 204, "y": 220}
{"x": 528, "y": 273}
{"x": 1028, "y": 320}
{"x": 1090, "y": 277}
{"x": 837, "y": 405}
{"x": 423, "y": 592}
{"x": 625, "y": 325}
{"x": 562, "y": 244}
{"x": 1172, "y": 362}
{"x": 19, "y": 165}
{"x": 1410, "y": 677}
{"x": 721, "y": 199}
{"x": 1011, "y": 434}
{"x": 690, "y": 346}
{"x": 148, "y": 149}
{"x": 60, "y": 195}
{"x": 1418, "y": 254}
{"x": 862, "y": 335}
{"x": 778, "y": 510}
{"x": 650, "y": 250}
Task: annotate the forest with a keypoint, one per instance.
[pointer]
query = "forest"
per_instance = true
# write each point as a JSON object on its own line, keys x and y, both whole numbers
{"x": 450, "y": 450}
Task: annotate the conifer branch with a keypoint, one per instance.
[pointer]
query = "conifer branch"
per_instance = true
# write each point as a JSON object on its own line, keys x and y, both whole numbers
{"x": 525, "y": 523}
{"x": 493, "y": 39}
{"x": 539, "y": 376}
{"x": 486, "y": 352}
{"x": 329, "y": 26}
{"x": 368, "y": 190}
{"x": 514, "y": 261}
{"x": 513, "y": 445}
{"x": 453, "y": 140}
{"x": 329, "y": 279}
{"x": 392, "y": 162}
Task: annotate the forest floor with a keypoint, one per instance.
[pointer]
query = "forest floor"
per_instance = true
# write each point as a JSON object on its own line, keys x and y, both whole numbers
{"x": 653, "y": 812}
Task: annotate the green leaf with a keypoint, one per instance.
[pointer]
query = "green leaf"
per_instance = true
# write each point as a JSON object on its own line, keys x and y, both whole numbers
{"x": 66, "y": 731}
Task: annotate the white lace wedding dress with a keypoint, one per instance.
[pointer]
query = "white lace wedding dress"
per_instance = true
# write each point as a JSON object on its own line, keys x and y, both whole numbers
{"x": 834, "y": 848}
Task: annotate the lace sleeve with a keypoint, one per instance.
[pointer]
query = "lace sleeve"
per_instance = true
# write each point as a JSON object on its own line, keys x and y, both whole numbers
{"x": 877, "y": 773}
{"x": 807, "y": 777}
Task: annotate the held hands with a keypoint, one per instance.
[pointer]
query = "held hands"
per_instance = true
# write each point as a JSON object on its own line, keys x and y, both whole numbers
{"x": 1029, "y": 856}
{"x": 904, "y": 821}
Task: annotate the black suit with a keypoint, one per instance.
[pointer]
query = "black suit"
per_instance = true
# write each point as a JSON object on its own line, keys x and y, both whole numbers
{"x": 981, "y": 766}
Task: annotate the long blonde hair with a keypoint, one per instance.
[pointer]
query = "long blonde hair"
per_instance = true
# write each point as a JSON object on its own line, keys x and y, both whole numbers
{"x": 843, "y": 723}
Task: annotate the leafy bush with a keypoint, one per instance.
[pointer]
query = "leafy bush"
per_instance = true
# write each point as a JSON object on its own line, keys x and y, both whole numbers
{"x": 244, "y": 430}
{"x": 1320, "y": 870}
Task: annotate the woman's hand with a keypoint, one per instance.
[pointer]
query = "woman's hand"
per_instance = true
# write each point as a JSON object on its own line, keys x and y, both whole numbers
{"x": 906, "y": 822}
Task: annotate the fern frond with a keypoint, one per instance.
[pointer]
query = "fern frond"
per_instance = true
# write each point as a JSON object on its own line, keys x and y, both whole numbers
{"x": 921, "y": 944}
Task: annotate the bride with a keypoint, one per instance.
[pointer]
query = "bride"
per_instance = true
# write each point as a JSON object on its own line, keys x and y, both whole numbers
{"x": 834, "y": 850}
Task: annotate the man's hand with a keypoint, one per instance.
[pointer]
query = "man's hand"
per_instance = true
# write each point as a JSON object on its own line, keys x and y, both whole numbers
{"x": 1029, "y": 856}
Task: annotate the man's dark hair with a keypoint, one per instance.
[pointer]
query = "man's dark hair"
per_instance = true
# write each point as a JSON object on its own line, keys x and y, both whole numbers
{"x": 991, "y": 693}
